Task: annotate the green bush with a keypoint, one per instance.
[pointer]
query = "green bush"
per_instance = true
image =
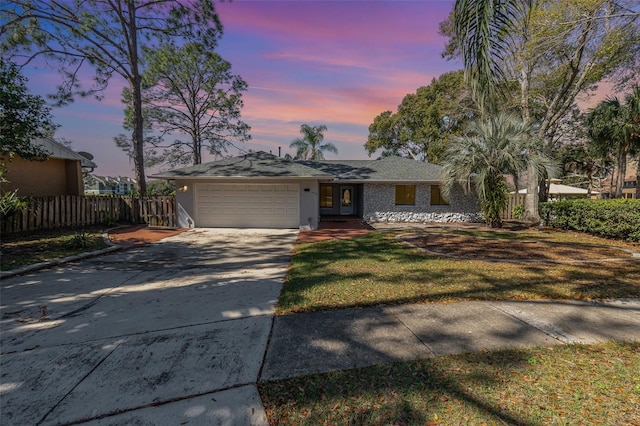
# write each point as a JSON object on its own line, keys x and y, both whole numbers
{"x": 11, "y": 204}
{"x": 79, "y": 240}
{"x": 518, "y": 212}
{"x": 619, "y": 218}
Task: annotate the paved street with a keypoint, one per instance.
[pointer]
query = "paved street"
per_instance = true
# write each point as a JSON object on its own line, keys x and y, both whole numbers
{"x": 168, "y": 333}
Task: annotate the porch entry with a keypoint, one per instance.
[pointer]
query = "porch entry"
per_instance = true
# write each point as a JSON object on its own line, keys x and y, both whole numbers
{"x": 346, "y": 200}
{"x": 337, "y": 199}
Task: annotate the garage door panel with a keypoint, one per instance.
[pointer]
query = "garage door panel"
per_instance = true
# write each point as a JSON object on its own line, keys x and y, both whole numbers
{"x": 248, "y": 205}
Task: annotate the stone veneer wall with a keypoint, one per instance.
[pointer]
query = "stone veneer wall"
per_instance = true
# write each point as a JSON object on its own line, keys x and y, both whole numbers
{"x": 379, "y": 206}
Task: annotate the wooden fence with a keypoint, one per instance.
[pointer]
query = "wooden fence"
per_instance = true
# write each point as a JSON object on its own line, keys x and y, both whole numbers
{"x": 514, "y": 200}
{"x": 76, "y": 211}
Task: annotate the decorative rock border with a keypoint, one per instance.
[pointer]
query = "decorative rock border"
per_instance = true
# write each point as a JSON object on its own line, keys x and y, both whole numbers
{"x": 409, "y": 217}
{"x": 402, "y": 238}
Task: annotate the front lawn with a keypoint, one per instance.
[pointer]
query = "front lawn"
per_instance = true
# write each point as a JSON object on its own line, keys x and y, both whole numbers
{"x": 23, "y": 249}
{"x": 376, "y": 269}
{"x": 574, "y": 384}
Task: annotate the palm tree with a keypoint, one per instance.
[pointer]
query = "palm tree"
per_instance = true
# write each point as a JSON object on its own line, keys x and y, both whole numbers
{"x": 491, "y": 148}
{"x": 310, "y": 145}
{"x": 616, "y": 126}
{"x": 483, "y": 26}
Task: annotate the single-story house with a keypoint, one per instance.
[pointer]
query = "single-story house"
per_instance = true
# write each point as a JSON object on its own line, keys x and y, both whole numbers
{"x": 260, "y": 190}
{"x": 60, "y": 174}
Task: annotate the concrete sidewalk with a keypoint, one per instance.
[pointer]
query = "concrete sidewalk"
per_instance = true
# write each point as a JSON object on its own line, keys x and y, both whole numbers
{"x": 337, "y": 340}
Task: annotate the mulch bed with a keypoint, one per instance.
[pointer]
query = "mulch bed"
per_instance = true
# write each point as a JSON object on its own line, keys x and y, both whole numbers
{"x": 340, "y": 229}
{"x": 488, "y": 248}
{"x": 140, "y": 235}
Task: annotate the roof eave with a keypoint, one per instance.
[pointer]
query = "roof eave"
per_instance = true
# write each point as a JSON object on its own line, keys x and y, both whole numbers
{"x": 173, "y": 177}
{"x": 386, "y": 180}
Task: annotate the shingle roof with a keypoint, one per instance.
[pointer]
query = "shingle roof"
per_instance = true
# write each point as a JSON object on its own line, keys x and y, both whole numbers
{"x": 388, "y": 169}
{"x": 252, "y": 165}
{"x": 57, "y": 150}
{"x": 263, "y": 165}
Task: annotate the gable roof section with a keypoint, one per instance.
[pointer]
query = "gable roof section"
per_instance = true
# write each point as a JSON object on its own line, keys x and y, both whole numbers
{"x": 388, "y": 169}
{"x": 57, "y": 150}
{"x": 251, "y": 165}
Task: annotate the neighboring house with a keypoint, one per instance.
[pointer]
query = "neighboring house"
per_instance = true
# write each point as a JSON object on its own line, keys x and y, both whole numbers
{"x": 60, "y": 174}
{"x": 261, "y": 190}
{"x": 559, "y": 192}
{"x": 629, "y": 188}
{"x": 107, "y": 185}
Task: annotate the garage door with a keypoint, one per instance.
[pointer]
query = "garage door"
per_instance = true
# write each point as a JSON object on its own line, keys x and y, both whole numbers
{"x": 248, "y": 205}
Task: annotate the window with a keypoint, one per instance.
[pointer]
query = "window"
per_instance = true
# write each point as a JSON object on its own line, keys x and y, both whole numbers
{"x": 405, "y": 195}
{"x": 436, "y": 197}
{"x": 326, "y": 196}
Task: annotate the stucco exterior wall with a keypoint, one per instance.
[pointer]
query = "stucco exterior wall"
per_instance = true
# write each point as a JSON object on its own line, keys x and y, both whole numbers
{"x": 43, "y": 178}
{"x": 309, "y": 204}
{"x": 309, "y": 216}
{"x": 379, "y": 206}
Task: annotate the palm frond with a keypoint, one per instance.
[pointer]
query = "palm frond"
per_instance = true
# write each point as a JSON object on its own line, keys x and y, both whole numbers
{"x": 482, "y": 27}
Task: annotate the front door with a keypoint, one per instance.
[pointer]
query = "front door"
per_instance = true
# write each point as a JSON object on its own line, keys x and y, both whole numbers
{"x": 346, "y": 200}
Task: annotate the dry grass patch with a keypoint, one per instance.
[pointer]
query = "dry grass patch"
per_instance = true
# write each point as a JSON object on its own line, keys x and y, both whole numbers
{"x": 474, "y": 247}
{"x": 594, "y": 384}
{"x": 376, "y": 269}
{"x": 40, "y": 246}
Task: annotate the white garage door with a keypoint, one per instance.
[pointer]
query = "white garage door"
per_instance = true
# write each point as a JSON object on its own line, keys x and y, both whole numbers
{"x": 248, "y": 205}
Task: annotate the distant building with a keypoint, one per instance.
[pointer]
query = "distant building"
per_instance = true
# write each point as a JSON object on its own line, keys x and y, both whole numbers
{"x": 628, "y": 187}
{"x": 108, "y": 185}
{"x": 60, "y": 174}
{"x": 558, "y": 192}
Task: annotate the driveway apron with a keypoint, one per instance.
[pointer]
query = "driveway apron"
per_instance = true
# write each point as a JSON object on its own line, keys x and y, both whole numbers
{"x": 170, "y": 333}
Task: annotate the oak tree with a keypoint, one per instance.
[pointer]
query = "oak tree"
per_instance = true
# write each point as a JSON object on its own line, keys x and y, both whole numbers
{"x": 424, "y": 122}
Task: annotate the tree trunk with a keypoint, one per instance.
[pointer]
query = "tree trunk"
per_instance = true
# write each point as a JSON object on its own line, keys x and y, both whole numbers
{"x": 135, "y": 81}
{"x": 138, "y": 138}
{"x": 612, "y": 183}
{"x": 622, "y": 169}
{"x": 531, "y": 213}
{"x": 543, "y": 189}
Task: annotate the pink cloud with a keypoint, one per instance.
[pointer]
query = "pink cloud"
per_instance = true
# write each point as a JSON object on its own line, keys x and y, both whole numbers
{"x": 369, "y": 22}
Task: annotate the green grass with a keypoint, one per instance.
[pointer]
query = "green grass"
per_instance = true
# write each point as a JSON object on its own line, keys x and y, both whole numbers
{"x": 376, "y": 269}
{"x": 29, "y": 248}
{"x": 575, "y": 384}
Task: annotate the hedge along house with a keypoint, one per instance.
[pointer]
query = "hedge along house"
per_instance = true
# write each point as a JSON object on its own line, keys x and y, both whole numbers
{"x": 260, "y": 190}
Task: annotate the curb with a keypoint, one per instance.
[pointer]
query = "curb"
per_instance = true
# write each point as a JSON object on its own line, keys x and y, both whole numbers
{"x": 44, "y": 265}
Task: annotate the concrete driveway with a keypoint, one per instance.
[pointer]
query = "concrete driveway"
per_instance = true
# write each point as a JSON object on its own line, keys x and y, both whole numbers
{"x": 171, "y": 333}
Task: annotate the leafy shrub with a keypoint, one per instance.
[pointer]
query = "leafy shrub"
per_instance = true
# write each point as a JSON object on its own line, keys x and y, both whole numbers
{"x": 619, "y": 218}
{"x": 518, "y": 212}
{"x": 79, "y": 240}
{"x": 11, "y": 204}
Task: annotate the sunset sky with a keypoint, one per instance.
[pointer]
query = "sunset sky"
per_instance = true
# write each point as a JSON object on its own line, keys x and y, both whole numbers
{"x": 338, "y": 63}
